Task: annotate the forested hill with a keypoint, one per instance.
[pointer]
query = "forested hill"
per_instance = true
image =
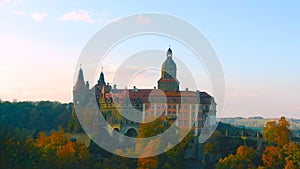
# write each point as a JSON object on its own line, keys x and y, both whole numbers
{"x": 47, "y": 116}
{"x": 35, "y": 116}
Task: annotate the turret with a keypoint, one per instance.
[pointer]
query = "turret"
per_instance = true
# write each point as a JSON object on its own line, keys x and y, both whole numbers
{"x": 80, "y": 89}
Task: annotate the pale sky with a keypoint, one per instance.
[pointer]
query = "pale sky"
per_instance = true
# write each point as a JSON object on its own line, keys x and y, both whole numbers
{"x": 258, "y": 44}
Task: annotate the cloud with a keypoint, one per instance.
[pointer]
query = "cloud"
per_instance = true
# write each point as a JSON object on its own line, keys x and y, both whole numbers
{"x": 80, "y": 15}
{"x": 18, "y": 12}
{"x": 38, "y": 17}
{"x": 5, "y": 2}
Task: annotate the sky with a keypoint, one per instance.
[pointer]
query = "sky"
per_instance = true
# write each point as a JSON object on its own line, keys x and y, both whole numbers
{"x": 257, "y": 44}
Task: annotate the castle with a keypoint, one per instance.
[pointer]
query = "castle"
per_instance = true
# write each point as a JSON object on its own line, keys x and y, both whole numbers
{"x": 125, "y": 109}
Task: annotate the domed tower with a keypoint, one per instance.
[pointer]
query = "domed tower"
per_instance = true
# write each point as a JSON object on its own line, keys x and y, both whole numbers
{"x": 168, "y": 80}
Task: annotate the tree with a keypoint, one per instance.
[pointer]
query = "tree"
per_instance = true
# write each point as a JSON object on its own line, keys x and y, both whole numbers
{"x": 242, "y": 159}
{"x": 292, "y": 152}
{"x": 273, "y": 157}
{"x": 150, "y": 149}
{"x": 277, "y": 133}
{"x": 290, "y": 165}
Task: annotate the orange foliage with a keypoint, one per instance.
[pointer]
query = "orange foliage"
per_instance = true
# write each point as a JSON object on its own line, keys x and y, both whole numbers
{"x": 277, "y": 134}
{"x": 273, "y": 157}
{"x": 67, "y": 151}
{"x": 290, "y": 165}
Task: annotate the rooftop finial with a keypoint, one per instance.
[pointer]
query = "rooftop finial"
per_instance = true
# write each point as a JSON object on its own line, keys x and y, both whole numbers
{"x": 102, "y": 69}
{"x": 80, "y": 66}
{"x": 169, "y": 52}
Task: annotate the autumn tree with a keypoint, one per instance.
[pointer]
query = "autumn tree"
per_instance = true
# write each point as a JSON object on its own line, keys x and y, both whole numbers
{"x": 273, "y": 157}
{"x": 281, "y": 152}
{"x": 16, "y": 152}
{"x": 57, "y": 149}
{"x": 242, "y": 159}
{"x": 277, "y": 133}
{"x": 174, "y": 157}
{"x": 292, "y": 153}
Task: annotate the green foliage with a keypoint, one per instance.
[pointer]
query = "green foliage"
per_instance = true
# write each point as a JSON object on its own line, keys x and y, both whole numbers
{"x": 16, "y": 151}
{"x": 35, "y": 116}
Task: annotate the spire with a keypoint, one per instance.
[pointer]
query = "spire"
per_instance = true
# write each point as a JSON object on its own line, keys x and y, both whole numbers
{"x": 101, "y": 78}
{"x": 169, "y": 52}
{"x": 80, "y": 74}
{"x": 80, "y": 80}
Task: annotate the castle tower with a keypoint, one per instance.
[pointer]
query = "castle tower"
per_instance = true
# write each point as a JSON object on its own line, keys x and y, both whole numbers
{"x": 168, "y": 80}
{"x": 101, "y": 80}
{"x": 80, "y": 84}
{"x": 80, "y": 89}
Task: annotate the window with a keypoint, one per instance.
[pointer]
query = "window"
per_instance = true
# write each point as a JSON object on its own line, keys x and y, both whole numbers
{"x": 158, "y": 106}
{"x": 169, "y": 113}
{"x": 193, "y": 115}
{"x": 152, "y": 114}
{"x": 185, "y": 114}
{"x": 146, "y": 114}
{"x": 174, "y": 107}
{"x": 172, "y": 99}
{"x": 179, "y": 122}
{"x": 185, "y": 106}
{"x": 169, "y": 106}
{"x": 146, "y": 106}
{"x": 185, "y": 123}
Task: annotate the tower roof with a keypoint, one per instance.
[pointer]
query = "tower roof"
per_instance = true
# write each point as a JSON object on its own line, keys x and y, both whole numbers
{"x": 80, "y": 83}
{"x": 101, "y": 78}
{"x": 169, "y": 66}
